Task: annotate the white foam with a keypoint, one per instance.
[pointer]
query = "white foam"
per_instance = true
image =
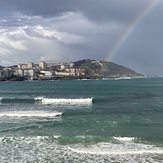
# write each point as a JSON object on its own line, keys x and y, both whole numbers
{"x": 124, "y": 138}
{"x": 46, "y": 149}
{"x": 123, "y": 78}
{"x": 115, "y": 152}
{"x": 117, "y": 149}
{"x": 1, "y": 138}
{"x": 66, "y": 101}
{"x": 30, "y": 114}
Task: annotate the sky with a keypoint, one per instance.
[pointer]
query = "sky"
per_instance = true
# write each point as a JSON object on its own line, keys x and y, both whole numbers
{"x": 126, "y": 32}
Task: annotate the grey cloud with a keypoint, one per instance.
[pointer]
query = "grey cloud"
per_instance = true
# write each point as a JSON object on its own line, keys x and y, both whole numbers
{"x": 97, "y": 10}
{"x": 143, "y": 48}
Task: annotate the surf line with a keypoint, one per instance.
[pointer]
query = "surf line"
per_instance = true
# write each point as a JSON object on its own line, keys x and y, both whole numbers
{"x": 131, "y": 28}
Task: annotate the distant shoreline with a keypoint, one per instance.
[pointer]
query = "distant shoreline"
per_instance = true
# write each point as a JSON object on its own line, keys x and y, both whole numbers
{"x": 49, "y": 78}
{"x": 60, "y": 78}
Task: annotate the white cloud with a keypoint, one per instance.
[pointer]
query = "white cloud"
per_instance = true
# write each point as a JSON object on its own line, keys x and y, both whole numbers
{"x": 4, "y": 21}
{"x": 7, "y": 43}
{"x": 51, "y": 33}
{"x": 33, "y": 38}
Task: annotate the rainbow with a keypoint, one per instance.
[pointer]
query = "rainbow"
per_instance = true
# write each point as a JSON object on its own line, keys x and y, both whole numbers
{"x": 131, "y": 28}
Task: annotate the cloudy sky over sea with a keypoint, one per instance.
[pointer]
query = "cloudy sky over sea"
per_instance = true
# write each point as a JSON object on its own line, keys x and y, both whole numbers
{"x": 127, "y": 32}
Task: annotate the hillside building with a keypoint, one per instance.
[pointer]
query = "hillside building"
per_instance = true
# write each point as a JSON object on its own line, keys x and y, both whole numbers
{"x": 30, "y": 65}
{"x": 29, "y": 73}
{"x": 23, "y": 66}
{"x": 19, "y": 72}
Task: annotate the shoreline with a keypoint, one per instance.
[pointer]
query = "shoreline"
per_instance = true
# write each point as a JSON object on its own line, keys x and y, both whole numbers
{"x": 60, "y": 78}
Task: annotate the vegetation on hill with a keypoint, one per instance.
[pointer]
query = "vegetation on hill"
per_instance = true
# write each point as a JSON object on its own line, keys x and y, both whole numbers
{"x": 105, "y": 69}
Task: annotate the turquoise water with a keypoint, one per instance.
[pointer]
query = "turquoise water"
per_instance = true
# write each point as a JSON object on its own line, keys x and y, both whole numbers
{"x": 82, "y": 121}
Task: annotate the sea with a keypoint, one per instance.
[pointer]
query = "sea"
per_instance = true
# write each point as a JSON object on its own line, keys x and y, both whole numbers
{"x": 82, "y": 121}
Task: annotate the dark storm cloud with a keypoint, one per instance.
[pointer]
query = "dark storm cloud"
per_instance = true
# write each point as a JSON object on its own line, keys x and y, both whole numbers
{"x": 99, "y": 10}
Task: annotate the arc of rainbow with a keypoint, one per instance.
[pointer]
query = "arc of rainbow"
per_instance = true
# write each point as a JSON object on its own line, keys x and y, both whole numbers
{"x": 131, "y": 28}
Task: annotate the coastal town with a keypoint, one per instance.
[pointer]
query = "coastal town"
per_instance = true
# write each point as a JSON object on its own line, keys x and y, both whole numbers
{"x": 83, "y": 69}
{"x": 41, "y": 71}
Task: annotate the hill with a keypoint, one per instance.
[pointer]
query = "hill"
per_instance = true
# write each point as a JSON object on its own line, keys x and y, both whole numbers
{"x": 105, "y": 69}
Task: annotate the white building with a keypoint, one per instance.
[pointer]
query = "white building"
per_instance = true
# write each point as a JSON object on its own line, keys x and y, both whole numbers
{"x": 62, "y": 73}
{"x": 30, "y": 65}
{"x": 71, "y": 65}
{"x": 29, "y": 72}
{"x": 47, "y": 73}
{"x": 71, "y": 71}
{"x": 23, "y": 66}
{"x": 76, "y": 72}
{"x": 19, "y": 72}
{"x": 62, "y": 67}
{"x": 42, "y": 65}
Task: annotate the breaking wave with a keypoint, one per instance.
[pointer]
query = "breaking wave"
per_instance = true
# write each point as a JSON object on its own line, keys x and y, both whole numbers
{"x": 117, "y": 149}
{"x": 29, "y": 114}
{"x": 42, "y": 100}
{"x": 65, "y": 100}
{"x": 47, "y": 149}
{"x": 125, "y": 139}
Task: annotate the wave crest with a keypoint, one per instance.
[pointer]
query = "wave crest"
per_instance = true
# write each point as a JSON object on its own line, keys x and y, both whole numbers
{"x": 30, "y": 114}
{"x": 43, "y": 100}
{"x": 127, "y": 139}
{"x": 66, "y": 101}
